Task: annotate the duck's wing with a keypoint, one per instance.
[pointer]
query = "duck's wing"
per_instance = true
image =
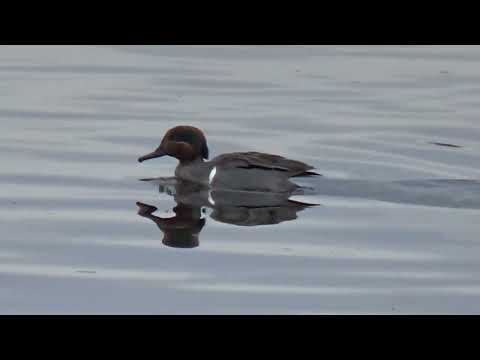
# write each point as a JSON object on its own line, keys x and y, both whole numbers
{"x": 250, "y": 160}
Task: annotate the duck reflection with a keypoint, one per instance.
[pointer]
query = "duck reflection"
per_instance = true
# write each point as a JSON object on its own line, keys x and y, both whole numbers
{"x": 231, "y": 207}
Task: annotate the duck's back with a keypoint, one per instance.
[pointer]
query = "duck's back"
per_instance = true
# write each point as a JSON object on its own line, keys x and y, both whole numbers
{"x": 254, "y": 171}
{"x": 263, "y": 161}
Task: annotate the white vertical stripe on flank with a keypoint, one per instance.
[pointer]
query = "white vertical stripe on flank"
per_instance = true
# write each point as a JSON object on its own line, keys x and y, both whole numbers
{"x": 212, "y": 175}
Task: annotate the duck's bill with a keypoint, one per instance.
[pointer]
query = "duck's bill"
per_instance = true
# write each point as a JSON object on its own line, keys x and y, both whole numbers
{"x": 152, "y": 155}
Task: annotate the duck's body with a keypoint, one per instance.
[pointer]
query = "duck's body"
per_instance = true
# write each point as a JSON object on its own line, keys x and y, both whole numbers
{"x": 247, "y": 171}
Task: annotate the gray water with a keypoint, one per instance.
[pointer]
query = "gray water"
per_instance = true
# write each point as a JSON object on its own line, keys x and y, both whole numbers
{"x": 395, "y": 231}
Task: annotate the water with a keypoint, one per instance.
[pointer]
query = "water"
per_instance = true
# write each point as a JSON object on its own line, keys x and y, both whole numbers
{"x": 395, "y": 231}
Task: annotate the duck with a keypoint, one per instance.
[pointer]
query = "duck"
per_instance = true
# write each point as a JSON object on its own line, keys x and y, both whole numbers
{"x": 239, "y": 171}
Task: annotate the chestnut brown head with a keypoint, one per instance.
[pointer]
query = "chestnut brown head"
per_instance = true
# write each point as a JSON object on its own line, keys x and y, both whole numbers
{"x": 186, "y": 143}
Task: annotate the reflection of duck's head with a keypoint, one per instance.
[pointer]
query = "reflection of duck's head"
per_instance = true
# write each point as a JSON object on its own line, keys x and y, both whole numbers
{"x": 180, "y": 231}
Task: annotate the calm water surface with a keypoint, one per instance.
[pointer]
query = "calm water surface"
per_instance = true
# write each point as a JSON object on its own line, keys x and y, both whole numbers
{"x": 395, "y": 231}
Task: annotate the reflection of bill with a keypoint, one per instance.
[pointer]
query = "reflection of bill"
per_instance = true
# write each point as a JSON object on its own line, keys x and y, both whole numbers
{"x": 232, "y": 207}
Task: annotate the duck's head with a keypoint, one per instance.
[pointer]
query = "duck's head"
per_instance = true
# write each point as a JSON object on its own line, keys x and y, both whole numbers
{"x": 186, "y": 143}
